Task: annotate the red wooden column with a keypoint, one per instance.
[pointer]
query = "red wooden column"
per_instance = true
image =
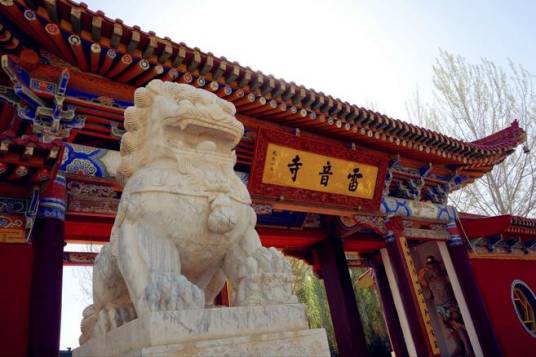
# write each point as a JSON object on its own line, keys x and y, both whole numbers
{"x": 15, "y": 282}
{"x": 406, "y": 288}
{"x": 471, "y": 293}
{"x": 45, "y": 299}
{"x": 396, "y": 335}
{"x": 6, "y": 116}
{"x": 341, "y": 298}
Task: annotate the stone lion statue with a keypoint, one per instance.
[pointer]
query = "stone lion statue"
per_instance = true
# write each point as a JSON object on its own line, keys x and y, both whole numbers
{"x": 184, "y": 224}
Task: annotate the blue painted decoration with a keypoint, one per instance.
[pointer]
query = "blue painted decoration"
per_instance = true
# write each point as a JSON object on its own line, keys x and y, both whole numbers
{"x": 83, "y": 160}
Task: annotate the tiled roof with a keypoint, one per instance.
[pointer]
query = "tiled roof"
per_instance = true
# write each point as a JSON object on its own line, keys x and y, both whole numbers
{"x": 501, "y": 224}
{"x": 95, "y": 43}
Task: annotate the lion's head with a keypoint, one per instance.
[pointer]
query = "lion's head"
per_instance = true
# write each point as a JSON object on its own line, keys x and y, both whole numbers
{"x": 168, "y": 118}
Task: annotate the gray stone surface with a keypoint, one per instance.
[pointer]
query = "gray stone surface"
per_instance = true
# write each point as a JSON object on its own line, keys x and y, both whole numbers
{"x": 278, "y": 330}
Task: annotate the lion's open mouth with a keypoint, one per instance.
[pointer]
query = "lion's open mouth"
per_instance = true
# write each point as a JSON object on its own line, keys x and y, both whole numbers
{"x": 216, "y": 131}
{"x": 202, "y": 135}
{"x": 195, "y": 126}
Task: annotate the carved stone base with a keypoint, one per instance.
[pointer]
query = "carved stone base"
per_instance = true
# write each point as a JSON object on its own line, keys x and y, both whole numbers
{"x": 277, "y": 330}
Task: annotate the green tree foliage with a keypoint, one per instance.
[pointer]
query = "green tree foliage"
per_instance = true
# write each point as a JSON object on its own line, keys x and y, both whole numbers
{"x": 370, "y": 310}
{"x": 311, "y": 292}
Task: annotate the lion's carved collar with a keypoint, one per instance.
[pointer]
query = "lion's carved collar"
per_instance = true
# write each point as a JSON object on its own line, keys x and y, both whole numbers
{"x": 199, "y": 183}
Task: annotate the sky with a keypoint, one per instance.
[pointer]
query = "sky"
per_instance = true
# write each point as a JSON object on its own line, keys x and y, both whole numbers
{"x": 364, "y": 52}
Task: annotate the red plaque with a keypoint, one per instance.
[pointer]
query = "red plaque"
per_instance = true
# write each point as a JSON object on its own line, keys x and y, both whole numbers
{"x": 309, "y": 171}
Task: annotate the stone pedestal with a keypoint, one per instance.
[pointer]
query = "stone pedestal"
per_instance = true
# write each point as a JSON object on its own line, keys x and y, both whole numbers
{"x": 277, "y": 330}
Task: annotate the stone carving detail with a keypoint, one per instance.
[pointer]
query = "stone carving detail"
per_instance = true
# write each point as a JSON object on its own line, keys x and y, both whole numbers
{"x": 184, "y": 223}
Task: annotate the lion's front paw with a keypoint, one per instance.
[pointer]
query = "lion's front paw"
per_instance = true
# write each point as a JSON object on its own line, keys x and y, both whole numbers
{"x": 168, "y": 292}
{"x": 270, "y": 283}
{"x": 113, "y": 316}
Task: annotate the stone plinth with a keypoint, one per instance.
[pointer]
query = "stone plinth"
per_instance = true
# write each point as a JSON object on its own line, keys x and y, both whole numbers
{"x": 277, "y": 330}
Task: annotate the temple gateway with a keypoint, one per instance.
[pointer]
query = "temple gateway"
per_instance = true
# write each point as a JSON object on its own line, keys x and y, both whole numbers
{"x": 331, "y": 183}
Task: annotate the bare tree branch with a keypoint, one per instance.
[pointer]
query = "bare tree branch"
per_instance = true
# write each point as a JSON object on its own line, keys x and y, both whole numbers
{"x": 471, "y": 101}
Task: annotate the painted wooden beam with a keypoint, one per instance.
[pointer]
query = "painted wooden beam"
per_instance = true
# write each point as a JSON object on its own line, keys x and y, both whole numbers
{"x": 237, "y": 95}
{"x": 78, "y": 50}
{"x": 56, "y": 36}
{"x": 225, "y": 91}
{"x": 153, "y": 72}
{"x": 186, "y": 78}
{"x": 271, "y": 107}
{"x": 38, "y": 30}
{"x": 170, "y": 75}
{"x": 120, "y": 66}
{"x": 134, "y": 71}
{"x": 94, "y": 57}
{"x": 199, "y": 82}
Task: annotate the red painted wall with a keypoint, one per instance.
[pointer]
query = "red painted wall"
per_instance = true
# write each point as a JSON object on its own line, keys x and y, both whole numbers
{"x": 494, "y": 278}
{"x": 15, "y": 285}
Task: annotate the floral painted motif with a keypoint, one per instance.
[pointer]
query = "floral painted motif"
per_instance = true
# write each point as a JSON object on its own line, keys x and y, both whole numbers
{"x": 11, "y": 221}
{"x": 12, "y": 205}
{"x": 392, "y": 206}
{"x": 83, "y": 160}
